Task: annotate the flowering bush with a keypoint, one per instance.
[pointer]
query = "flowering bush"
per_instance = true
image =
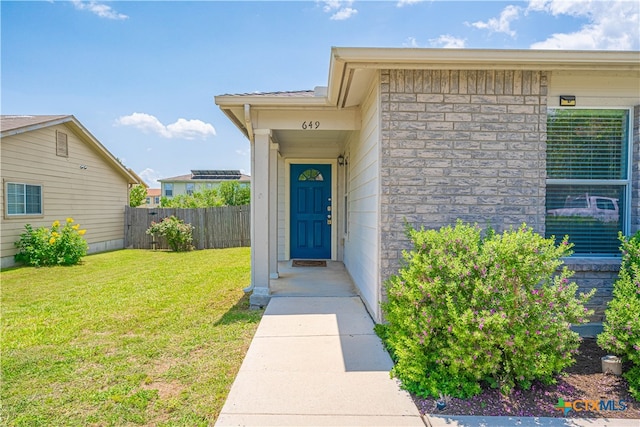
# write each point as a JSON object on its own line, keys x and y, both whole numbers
{"x": 178, "y": 234}
{"x": 621, "y": 333}
{"x": 468, "y": 310}
{"x": 58, "y": 245}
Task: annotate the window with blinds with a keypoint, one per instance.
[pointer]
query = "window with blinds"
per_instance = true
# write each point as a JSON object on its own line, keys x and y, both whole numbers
{"x": 587, "y": 178}
{"x": 24, "y": 199}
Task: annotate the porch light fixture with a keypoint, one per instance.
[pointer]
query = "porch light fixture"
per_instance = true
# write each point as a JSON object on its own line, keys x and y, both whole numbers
{"x": 567, "y": 101}
{"x": 341, "y": 160}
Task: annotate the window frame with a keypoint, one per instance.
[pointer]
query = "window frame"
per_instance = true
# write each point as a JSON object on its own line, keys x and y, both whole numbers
{"x": 190, "y": 188}
{"x": 626, "y": 182}
{"x": 8, "y": 215}
{"x": 168, "y": 186}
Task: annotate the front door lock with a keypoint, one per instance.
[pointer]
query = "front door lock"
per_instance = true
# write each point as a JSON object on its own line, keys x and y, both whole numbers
{"x": 328, "y": 219}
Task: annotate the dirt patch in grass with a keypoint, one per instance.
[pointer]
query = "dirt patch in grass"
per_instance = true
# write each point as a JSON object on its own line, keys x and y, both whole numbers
{"x": 583, "y": 381}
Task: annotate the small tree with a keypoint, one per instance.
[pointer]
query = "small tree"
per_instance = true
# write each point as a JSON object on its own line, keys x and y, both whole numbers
{"x": 137, "y": 195}
{"x": 233, "y": 193}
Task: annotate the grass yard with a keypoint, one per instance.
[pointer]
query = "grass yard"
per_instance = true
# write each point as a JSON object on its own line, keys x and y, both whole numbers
{"x": 127, "y": 337}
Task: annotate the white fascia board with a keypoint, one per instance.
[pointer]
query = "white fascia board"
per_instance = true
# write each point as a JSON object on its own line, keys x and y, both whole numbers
{"x": 486, "y": 58}
{"x": 226, "y": 101}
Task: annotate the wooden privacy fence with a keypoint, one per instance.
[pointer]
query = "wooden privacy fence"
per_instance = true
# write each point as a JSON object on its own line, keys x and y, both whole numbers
{"x": 221, "y": 227}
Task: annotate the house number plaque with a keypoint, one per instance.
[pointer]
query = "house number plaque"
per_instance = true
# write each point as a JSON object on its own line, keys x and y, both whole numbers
{"x": 310, "y": 125}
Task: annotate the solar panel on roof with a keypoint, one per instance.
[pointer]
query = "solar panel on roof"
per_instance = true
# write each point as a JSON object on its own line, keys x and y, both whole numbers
{"x": 216, "y": 174}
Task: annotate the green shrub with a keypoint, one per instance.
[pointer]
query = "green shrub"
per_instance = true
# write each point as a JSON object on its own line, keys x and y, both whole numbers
{"x": 467, "y": 310}
{"x": 52, "y": 246}
{"x": 621, "y": 333}
{"x": 178, "y": 234}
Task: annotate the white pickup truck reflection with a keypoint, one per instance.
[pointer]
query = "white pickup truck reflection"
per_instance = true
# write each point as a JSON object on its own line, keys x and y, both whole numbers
{"x": 604, "y": 209}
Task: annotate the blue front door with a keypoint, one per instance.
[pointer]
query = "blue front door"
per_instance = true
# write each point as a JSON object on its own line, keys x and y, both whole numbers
{"x": 311, "y": 211}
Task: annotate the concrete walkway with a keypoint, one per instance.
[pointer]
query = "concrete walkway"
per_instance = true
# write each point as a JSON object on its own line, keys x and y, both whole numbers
{"x": 315, "y": 361}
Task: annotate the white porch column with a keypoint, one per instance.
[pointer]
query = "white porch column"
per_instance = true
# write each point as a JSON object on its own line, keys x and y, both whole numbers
{"x": 260, "y": 216}
{"x": 273, "y": 211}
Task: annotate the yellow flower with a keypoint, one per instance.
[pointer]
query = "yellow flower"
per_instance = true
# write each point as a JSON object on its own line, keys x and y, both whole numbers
{"x": 55, "y": 234}
{"x": 69, "y": 220}
{"x": 56, "y": 223}
{"x": 75, "y": 227}
{"x": 52, "y": 240}
{"x": 81, "y": 232}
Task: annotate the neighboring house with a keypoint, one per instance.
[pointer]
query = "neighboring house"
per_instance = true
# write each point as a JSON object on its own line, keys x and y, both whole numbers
{"x": 52, "y": 169}
{"x": 430, "y": 136}
{"x": 199, "y": 180}
{"x": 153, "y": 198}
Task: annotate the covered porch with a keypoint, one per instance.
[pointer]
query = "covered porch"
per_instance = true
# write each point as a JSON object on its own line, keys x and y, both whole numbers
{"x": 298, "y": 186}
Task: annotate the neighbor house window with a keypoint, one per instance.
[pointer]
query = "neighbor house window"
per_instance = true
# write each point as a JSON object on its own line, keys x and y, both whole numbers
{"x": 588, "y": 178}
{"x": 190, "y": 188}
{"x": 156, "y": 200}
{"x": 168, "y": 190}
{"x": 24, "y": 199}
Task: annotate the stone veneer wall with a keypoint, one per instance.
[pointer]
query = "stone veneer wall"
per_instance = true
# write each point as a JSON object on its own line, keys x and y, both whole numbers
{"x": 464, "y": 145}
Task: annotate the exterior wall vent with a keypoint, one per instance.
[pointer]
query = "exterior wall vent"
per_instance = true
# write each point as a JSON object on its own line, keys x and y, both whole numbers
{"x": 62, "y": 147}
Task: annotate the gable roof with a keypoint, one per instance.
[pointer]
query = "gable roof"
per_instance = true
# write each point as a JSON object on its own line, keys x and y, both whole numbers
{"x": 14, "y": 125}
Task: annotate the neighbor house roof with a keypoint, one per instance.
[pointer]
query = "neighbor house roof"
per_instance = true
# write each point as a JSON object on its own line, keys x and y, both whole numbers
{"x": 153, "y": 192}
{"x": 17, "y": 124}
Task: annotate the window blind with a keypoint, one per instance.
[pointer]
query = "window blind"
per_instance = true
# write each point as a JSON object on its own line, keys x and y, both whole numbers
{"x": 587, "y": 178}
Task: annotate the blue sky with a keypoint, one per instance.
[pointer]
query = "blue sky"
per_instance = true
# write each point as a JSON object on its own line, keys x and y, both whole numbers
{"x": 141, "y": 76}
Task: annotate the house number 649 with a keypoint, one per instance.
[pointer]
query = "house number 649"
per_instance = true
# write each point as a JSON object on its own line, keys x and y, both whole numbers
{"x": 310, "y": 125}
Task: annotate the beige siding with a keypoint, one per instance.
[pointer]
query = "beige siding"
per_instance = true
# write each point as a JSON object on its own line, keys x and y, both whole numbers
{"x": 595, "y": 89}
{"x": 361, "y": 252}
{"x": 95, "y": 197}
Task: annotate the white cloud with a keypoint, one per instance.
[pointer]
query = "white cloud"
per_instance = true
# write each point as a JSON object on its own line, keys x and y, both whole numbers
{"x": 344, "y": 13}
{"x": 501, "y": 24}
{"x": 402, "y": 3}
{"x": 150, "y": 176}
{"x": 613, "y": 25}
{"x": 411, "y": 42}
{"x": 448, "y": 42}
{"x": 182, "y": 128}
{"x": 244, "y": 152}
{"x": 102, "y": 10}
{"x": 341, "y": 9}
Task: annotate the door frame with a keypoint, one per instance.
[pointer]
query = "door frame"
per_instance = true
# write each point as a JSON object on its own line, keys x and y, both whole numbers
{"x": 334, "y": 202}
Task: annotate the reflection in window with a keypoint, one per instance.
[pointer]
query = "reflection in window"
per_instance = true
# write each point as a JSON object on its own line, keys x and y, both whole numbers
{"x": 587, "y": 178}
{"x": 311, "y": 175}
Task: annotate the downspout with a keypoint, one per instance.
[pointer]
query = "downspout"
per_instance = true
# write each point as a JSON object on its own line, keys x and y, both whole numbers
{"x": 248, "y": 123}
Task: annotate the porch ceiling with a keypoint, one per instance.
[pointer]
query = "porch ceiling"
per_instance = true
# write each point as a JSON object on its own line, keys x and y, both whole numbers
{"x": 316, "y": 143}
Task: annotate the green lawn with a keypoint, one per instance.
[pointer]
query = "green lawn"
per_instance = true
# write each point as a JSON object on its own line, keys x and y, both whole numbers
{"x": 127, "y": 337}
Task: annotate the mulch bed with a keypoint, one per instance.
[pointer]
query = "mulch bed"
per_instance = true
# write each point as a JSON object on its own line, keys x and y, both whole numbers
{"x": 583, "y": 381}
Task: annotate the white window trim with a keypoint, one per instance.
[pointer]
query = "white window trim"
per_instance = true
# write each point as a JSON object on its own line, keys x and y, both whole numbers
{"x": 7, "y": 215}
{"x": 626, "y": 220}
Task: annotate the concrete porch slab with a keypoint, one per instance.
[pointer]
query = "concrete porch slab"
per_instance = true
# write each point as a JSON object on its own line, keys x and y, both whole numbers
{"x": 332, "y": 280}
